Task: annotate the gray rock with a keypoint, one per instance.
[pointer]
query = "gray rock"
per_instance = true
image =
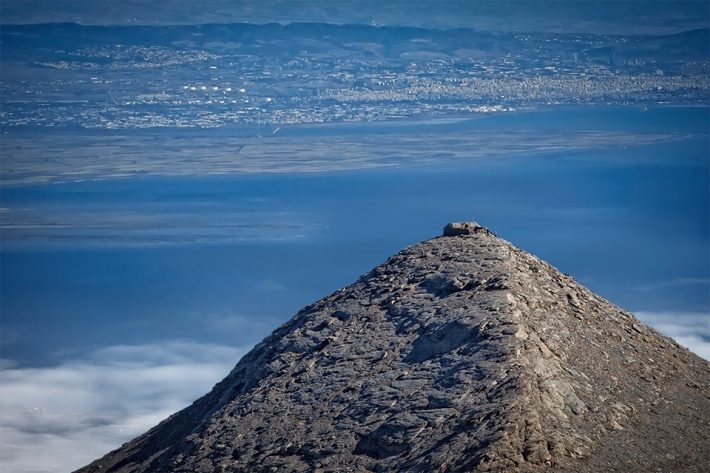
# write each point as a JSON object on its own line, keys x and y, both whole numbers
{"x": 463, "y": 228}
{"x": 461, "y": 353}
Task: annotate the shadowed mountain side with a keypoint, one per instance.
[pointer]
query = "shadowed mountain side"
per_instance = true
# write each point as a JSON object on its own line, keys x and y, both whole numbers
{"x": 461, "y": 353}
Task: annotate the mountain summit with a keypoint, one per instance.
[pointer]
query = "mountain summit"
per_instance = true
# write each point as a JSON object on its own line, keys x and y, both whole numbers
{"x": 460, "y": 353}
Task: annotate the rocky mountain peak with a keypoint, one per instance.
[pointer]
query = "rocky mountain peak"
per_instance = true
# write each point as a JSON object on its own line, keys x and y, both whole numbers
{"x": 460, "y": 353}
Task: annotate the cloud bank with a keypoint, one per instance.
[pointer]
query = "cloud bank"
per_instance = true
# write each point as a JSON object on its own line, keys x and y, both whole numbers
{"x": 168, "y": 223}
{"x": 690, "y": 329}
{"x": 57, "y": 419}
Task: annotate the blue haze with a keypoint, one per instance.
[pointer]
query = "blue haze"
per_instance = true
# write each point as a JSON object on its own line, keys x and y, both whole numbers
{"x": 631, "y": 223}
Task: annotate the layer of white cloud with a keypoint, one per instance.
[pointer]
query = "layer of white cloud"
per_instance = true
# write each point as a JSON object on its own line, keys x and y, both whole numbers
{"x": 690, "y": 329}
{"x": 172, "y": 223}
{"x": 57, "y": 419}
{"x": 677, "y": 282}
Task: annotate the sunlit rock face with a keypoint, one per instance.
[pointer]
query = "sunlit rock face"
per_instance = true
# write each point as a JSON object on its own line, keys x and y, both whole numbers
{"x": 460, "y": 353}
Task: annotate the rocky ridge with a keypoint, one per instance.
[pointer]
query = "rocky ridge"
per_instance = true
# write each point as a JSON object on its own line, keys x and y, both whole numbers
{"x": 460, "y": 353}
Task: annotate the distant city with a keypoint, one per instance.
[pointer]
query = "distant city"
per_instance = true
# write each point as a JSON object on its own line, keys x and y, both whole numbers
{"x": 226, "y": 75}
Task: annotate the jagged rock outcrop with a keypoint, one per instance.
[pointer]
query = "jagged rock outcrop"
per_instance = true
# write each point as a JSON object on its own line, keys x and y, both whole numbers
{"x": 461, "y": 353}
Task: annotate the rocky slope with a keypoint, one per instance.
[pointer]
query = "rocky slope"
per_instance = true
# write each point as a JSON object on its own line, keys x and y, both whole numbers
{"x": 461, "y": 353}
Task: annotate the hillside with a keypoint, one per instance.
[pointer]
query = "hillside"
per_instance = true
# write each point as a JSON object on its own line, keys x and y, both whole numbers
{"x": 460, "y": 353}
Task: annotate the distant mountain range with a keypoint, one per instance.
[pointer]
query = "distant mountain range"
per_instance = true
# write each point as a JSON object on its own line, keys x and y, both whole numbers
{"x": 618, "y": 17}
{"x": 219, "y": 74}
{"x": 359, "y": 40}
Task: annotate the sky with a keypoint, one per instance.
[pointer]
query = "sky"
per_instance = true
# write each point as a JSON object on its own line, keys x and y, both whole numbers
{"x": 126, "y": 298}
{"x": 607, "y": 16}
